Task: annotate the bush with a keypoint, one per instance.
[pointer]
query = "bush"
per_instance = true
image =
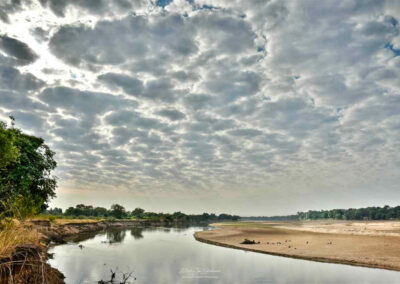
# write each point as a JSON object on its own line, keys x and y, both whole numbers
{"x": 52, "y": 218}
{"x": 21, "y": 207}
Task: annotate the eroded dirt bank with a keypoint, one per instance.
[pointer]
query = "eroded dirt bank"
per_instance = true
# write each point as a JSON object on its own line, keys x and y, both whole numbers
{"x": 28, "y": 262}
{"x": 284, "y": 239}
{"x": 59, "y": 233}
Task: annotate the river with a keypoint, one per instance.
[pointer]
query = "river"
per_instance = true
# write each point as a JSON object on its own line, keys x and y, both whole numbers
{"x": 172, "y": 255}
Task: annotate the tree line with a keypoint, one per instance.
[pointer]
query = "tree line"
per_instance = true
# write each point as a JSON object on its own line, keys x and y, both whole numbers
{"x": 119, "y": 212}
{"x": 368, "y": 213}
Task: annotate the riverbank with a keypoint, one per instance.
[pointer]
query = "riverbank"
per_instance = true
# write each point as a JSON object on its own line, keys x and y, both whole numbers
{"x": 365, "y": 247}
{"x": 23, "y": 255}
{"x": 62, "y": 231}
{"x": 23, "y": 251}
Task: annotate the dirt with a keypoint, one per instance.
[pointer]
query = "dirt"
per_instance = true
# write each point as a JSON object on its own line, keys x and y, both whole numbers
{"x": 341, "y": 242}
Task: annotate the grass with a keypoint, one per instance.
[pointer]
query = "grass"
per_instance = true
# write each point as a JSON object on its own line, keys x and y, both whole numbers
{"x": 26, "y": 270}
{"x": 64, "y": 220}
{"x": 13, "y": 234}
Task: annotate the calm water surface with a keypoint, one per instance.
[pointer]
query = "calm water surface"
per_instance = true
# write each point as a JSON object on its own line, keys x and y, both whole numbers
{"x": 169, "y": 255}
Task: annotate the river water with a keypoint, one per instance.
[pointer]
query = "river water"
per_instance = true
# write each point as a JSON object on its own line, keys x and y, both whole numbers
{"x": 171, "y": 255}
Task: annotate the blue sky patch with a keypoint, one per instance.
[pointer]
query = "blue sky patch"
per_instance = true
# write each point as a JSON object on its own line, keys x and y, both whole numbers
{"x": 389, "y": 46}
{"x": 163, "y": 3}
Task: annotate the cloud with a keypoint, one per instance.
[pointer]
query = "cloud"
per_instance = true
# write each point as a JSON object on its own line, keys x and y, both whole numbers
{"x": 249, "y": 133}
{"x": 100, "y": 7}
{"x": 130, "y": 85}
{"x": 19, "y": 101}
{"x": 211, "y": 98}
{"x": 80, "y": 45}
{"x": 171, "y": 114}
{"x": 197, "y": 101}
{"x": 17, "y": 49}
{"x": 83, "y": 103}
{"x": 12, "y": 79}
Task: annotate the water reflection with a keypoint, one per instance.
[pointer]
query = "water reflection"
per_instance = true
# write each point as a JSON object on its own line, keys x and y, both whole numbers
{"x": 115, "y": 236}
{"x": 136, "y": 233}
{"x": 172, "y": 255}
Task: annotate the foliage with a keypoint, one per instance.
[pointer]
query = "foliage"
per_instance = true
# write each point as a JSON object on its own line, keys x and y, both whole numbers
{"x": 8, "y": 151}
{"x": 54, "y": 211}
{"x": 369, "y": 213}
{"x": 85, "y": 210}
{"x": 138, "y": 213}
{"x": 272, "y": 218}
{"x": 29, "y": 174}
{"x": 118, "y": 212}
{"x": 21, "y": 207}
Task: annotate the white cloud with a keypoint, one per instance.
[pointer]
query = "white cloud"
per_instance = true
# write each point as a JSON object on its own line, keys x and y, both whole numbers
{"x": 259, "y": 100}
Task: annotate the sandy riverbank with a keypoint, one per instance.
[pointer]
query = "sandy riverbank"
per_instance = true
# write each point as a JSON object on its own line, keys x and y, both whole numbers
{"x": 372, "y": 244}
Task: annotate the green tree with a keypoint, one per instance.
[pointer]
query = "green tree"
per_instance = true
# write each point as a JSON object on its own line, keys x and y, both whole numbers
{"x": 100, "y": 212}
{"x": 8, "y": 150}
{"x": 138, "y": 213}
{"x": 118, "y": 211}
{"x": 29, "y": 174}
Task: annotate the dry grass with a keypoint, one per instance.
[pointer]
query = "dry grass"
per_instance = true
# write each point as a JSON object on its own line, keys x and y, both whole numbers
{"x": 75, "y": 221}
{"x": 13, "y": 234}
{"x": 66, "y": 221}
{"x": 24, "y": 266}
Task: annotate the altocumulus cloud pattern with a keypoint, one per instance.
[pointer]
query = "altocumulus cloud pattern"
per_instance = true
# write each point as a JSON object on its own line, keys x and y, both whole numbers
{"x": 202, "y": 98}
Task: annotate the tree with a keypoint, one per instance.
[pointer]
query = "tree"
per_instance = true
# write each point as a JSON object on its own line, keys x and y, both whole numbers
{"x": 54, "y": 211}
{"x": 118, "y": 211}
{"x": 138, "y": 213}
{"x": 29, "y": 174}
{"x": 8, "y": 150}
{"x": 100, "y": 212}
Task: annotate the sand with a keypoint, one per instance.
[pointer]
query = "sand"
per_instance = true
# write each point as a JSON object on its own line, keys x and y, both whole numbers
{"x": 371, "y": 244}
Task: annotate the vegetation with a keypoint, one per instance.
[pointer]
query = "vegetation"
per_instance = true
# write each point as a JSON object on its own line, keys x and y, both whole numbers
{"x": 118, "y": 211}
{"x": 12, "y": 234}
{"x": 26, "y": 182}
{"x": 22, "y": 256}
{"x": 8, "y": 150}
{"x": 370, "y": 213}
{"x": 272, "y": 218}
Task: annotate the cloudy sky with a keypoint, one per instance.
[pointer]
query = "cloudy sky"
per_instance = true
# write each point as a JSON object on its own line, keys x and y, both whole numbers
{"x": 250, "y": 107}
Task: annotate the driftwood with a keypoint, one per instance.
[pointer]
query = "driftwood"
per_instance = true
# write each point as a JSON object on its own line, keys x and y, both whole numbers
{"x": 249, "y": 242}
{"x": 125, "y": 278}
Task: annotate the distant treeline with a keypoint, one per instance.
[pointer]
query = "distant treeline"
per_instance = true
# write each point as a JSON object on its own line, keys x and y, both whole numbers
{"x": 370, "y": 213}
{"x": 119, "y": 212}
{"x": 271, "y": 218}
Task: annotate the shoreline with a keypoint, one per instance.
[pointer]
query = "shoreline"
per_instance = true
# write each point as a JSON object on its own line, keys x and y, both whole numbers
{"x": 28, "y": 261}
{"x": 51, "y": 234}
{"x": 66, "y": 231}
{"x": 230, "y": 236}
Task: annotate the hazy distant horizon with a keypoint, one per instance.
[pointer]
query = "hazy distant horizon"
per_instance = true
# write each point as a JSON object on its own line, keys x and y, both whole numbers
{"x": 149, "y": 207}
{"x": 255, "y": 108}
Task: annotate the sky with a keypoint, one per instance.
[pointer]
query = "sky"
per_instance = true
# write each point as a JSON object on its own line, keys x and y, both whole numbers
{"x": 249, "y": 107}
